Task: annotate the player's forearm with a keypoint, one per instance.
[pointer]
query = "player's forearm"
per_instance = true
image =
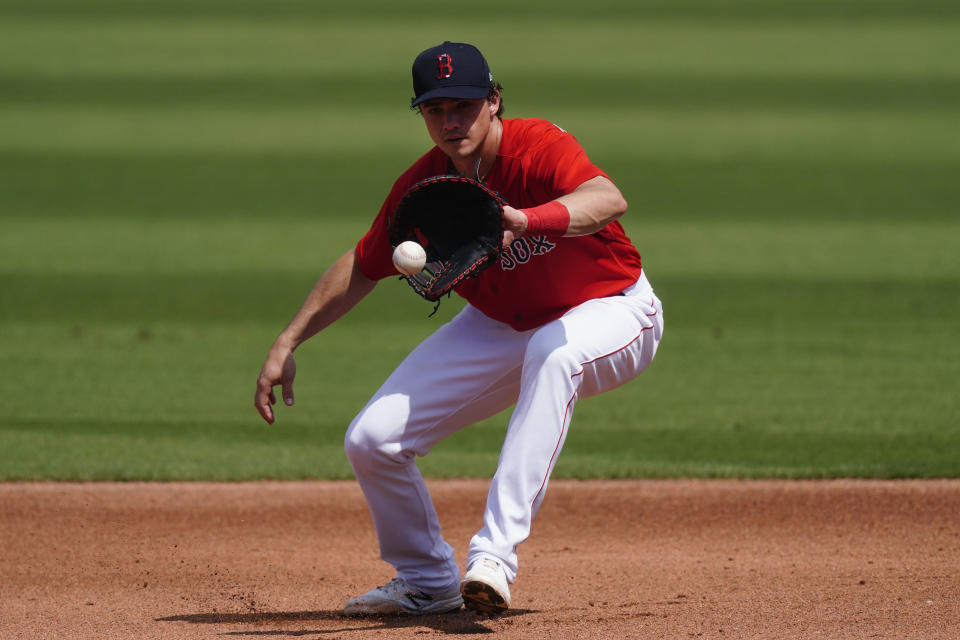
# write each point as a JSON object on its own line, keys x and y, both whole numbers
{"x": 587, "y": 209}
{"x": 592, "y": 206}
{"x": 337, "y": 291}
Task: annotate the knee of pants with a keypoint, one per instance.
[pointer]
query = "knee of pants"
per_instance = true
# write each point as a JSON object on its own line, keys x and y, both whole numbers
{"x": 374, "y": 437}
{"x": 548, "y": 353}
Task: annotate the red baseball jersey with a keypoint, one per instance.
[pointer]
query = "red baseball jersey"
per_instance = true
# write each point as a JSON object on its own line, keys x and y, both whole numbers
{"x": 538, "y": 278}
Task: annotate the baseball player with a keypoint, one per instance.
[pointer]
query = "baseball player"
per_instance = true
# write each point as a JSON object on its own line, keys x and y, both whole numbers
{"x": 566, "y": 313}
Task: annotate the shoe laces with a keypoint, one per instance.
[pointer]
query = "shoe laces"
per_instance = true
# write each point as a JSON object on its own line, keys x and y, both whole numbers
{"x": 399, "y": 585}
{"x": 490, "y": 563}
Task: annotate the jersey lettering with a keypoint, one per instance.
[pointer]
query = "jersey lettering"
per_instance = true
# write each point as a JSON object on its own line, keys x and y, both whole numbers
{"x": 540, "y": 245}
{"x": 522, "y": 250}
{"x": 444, "y": 66}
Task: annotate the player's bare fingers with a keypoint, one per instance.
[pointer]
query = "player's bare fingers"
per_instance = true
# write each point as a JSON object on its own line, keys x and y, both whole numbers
{"x": 261, "y": 402}
{"x": 515, "y": 222}
{"x": 286, "y": 379}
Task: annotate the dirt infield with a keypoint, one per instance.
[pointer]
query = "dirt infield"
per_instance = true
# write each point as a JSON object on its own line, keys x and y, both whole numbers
{"x": 632, "y": 559}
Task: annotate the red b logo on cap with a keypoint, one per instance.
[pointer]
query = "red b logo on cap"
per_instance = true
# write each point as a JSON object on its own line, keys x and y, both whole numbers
{"x": 444, "y": 66}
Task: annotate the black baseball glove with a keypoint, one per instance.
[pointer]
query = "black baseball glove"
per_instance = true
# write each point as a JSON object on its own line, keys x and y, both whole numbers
{"x": 458, "y": 221}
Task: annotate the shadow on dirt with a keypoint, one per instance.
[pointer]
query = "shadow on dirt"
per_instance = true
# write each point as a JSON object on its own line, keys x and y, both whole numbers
{"x": 461, "y": 622}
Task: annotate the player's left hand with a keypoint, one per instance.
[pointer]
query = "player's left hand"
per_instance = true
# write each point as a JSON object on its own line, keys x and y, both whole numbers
{"x": 515, "y": 224}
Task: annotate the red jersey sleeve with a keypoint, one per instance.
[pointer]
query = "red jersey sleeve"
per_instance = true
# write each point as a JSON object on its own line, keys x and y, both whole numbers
{"x": 564, "y": 165}
{"x": 553, "y": 162}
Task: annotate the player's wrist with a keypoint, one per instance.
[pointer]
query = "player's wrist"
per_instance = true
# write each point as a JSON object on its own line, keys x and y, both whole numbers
{"x": 550, "y": 219}
{"x": 285, "y": 344}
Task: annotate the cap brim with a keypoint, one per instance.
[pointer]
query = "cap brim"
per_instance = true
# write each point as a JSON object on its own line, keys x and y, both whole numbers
{"x": 461, "y": 92}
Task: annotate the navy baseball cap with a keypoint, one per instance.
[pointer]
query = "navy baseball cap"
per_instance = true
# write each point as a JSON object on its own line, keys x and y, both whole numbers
{"x": 451, "y": 70}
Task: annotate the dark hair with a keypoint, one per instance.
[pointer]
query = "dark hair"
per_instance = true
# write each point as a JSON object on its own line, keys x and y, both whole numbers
{"x": 496, "y": 89}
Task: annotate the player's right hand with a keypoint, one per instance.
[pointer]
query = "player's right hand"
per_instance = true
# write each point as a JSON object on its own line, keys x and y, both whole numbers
{"x": 278, "y": 369}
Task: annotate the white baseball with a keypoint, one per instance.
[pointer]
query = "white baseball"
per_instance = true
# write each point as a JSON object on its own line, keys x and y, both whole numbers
{"x": 409, "y": 258}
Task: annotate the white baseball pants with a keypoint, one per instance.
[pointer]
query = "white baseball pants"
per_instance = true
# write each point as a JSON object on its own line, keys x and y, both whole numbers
{"x": 470, "y": 369}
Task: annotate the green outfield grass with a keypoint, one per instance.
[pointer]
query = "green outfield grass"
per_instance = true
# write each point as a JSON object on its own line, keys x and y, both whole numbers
{"x": 174, "y": 176}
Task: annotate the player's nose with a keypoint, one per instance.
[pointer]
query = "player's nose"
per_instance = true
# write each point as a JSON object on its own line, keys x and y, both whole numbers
{"x": 451, "y": 120}
{"x": 450, "y": 123}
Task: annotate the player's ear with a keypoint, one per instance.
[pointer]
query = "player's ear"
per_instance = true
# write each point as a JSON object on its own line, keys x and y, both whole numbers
{"x": 493, "y": 103}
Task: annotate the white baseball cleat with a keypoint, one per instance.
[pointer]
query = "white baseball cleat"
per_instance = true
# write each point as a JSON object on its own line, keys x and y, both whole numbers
{"x": 485, "y": 587}
{"x": 397, "y": 597}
